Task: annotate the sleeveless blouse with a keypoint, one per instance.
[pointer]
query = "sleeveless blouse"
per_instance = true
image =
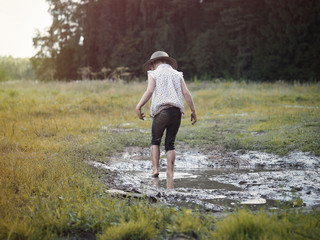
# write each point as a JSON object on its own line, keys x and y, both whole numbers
{"x": 167, "y": 92}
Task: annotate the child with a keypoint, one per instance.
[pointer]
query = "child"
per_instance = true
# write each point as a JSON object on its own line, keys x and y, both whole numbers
{"x": 167, "y": 88}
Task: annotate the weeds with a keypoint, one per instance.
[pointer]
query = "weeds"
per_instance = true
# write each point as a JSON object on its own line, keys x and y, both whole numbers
{"x": 246, "y": 225}
{"x": 139, "y": 230}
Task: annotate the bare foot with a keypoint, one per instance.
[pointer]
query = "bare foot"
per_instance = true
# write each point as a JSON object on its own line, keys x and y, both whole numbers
{"x": 170, "y": 174}
{"x": 155, "y": 175}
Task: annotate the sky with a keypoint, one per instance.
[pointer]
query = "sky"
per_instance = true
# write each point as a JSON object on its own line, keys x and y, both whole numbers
{"x": 19, "y": 20}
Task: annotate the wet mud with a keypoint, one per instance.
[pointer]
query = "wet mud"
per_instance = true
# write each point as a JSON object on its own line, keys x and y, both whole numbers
{"x": 218, "y": 181}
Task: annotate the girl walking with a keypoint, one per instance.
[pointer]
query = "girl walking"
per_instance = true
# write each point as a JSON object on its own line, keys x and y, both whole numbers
{"x": 167, "y": 87}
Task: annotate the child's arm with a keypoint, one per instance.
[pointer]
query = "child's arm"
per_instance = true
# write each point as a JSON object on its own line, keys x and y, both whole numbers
{"x": 187, "y": 96}
{"x": 145, "y": 97}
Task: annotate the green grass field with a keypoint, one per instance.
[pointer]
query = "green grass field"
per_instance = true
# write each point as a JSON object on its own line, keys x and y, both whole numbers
{"x": 49, "y": 130}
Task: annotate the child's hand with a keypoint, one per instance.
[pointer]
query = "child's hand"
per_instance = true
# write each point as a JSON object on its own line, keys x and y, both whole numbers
{"x": 193, "y": 118}
{"x": 140, "y": 114}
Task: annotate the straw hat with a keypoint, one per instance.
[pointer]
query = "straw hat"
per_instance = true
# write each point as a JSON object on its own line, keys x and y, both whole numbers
{"x": 159, "y": 55}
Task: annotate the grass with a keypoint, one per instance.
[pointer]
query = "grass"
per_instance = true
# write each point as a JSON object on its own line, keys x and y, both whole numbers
{"x": 277, "y": 118}
{"x": 246, "y": 225}
{"x": 49, "y": 130}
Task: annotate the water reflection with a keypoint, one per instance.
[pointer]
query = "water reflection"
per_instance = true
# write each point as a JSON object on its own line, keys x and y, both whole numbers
{"x": 155, "y": 182}
{"x": 205, "y": 179}
{"x": 170, "y": 183}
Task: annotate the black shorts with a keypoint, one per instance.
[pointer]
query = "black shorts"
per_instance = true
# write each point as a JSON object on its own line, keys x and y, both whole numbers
{"x": 168, "y": 119}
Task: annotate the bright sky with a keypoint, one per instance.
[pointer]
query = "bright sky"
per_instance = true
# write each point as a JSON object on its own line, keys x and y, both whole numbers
{"x": 18, "y": 21}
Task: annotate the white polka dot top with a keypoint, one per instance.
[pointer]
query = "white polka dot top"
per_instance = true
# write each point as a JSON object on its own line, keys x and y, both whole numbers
{"x": 168, "y": 91}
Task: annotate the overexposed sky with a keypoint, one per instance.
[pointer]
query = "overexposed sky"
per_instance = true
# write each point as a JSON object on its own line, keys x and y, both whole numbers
{"x": 18, "y": 21}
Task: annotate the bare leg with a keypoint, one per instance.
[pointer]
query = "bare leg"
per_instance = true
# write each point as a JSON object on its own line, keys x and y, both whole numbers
{"x": 171, "y": 157}
{"x": 155, "y": 156}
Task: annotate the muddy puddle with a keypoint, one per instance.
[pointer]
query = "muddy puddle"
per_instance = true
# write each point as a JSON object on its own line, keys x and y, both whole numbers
{"x": 218, "y": 181}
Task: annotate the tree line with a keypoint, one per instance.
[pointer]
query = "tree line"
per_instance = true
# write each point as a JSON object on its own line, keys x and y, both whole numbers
{"x": 257, "y": 40}
{"x": 15, "y": 69}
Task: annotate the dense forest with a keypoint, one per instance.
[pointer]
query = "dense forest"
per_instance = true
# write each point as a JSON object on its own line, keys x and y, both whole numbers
{"x": 263, "y": 40}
